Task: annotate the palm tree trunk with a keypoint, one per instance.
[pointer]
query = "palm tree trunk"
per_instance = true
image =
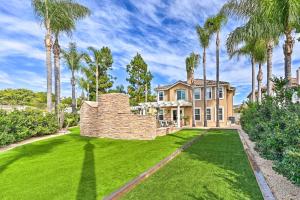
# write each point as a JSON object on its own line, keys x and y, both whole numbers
{"x": 193, "y": 106}
{"x": 97, "y": 83}
{"x": 56, "y": 52}
{"x": 73, "y": 93}
{"x": 253, "y": 96}
{"x": 204, "y": 80}
{"x": 48, "y": 45}
{"x": 217, "y": 77}
{"x": 259, "y": 80}
{"x": 88, "y": 92}
{"x": 270, "y": 46}
{"x": 288, "y": 51}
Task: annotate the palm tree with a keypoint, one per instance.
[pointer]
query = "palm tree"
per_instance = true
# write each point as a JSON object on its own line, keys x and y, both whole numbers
{"x": 66, "y": 21}
{"x": 280, "y": 15}
{"x": 246, "y": 50}
{"x": 214, "y": 25}
{"x": 86, "y": 81}
{"x": 204, "y": 39}
{"x": 73, "y": 60}
{"x": 191, "y": 63}
{"x": 99, "y": 63}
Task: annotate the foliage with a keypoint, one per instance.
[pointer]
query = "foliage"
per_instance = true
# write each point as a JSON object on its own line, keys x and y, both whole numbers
{"x": 139, "y": 79}
{"x": 19, "y": 125}
{"x": 118, "y": 89}
{"x": 204, "y": 36}
{"x": 71, "y": 119}
{"x": 23, "y": 97}
{"x": 192, "y": 62}
{"x": 275, "y": 127}
{"x": 101, "y": 58}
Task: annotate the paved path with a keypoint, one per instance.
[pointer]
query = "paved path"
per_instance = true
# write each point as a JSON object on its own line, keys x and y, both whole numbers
{"x": 31, "y": 140}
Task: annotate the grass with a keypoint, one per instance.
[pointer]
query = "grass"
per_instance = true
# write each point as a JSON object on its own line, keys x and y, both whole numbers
{"x": 76, "y": 167}
{"x": 216, "y": 167}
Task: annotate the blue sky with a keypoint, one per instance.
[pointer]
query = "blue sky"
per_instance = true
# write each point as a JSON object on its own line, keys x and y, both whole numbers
{"x": 163, "y": 31}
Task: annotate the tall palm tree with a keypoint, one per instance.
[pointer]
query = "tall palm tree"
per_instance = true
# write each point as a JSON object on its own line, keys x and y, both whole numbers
{"x": 204, "y": 39}
{"x": 214, "y": 25}
{"x": 280, "y": 15}
{"x": 67, "y": 16}
{"x": 55, "y": 15}
{"x": 192, "y": 63}
{"x": 73, "y": 60}
{"x": 246, "y": 50}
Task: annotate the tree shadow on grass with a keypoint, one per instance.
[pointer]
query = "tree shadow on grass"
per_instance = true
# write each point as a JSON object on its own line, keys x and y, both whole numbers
{"x": 31, "y": 150}
{"x": 87, "y": 185}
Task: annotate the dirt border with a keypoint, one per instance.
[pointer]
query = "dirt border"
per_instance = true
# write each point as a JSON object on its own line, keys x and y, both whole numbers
{"x": 133, "y": 183}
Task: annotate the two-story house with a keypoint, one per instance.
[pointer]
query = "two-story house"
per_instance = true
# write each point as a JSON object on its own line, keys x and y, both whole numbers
{"x": 185, "y": 98}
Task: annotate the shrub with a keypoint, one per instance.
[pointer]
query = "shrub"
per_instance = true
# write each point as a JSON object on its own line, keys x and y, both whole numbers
{"x": 275, "y": 127}
{"x": 71, "y": 119}
{"x": 19, "y": 125}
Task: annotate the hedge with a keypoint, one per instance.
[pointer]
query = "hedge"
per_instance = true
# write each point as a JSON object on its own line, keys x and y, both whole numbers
{"x": 19, "y": 125}
{"x": 275, "y": 127}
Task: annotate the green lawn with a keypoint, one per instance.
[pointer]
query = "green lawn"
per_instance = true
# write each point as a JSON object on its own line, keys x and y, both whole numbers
{"x": 75, "y": 167}
{"x": 216, "y": 167}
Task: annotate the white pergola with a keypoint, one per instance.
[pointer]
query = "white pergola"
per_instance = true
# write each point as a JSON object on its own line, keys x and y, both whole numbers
{"x": 162, "y": 104}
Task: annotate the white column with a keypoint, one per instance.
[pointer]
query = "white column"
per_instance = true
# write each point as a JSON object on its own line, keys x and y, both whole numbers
{"x": 178, "y": 116}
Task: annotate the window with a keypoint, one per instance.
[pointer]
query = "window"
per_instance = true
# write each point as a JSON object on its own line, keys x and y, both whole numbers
{"x": 220, "y": 114}
{"x": 160, "y": 95}
{"x": 180, "y": 94}
{"x": 197, "y": 114}
{"x": 208, "y": 93}
{"x": 221, "y": 92}
{"x": 208, "y": 113}
{"x": 197, "y": 93}
{"x": 161, "y": 115}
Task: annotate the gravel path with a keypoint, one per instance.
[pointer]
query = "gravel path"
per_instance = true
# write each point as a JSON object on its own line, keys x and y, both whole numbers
{"x": 33, "y": 139}
{"x": 281, "y": 187}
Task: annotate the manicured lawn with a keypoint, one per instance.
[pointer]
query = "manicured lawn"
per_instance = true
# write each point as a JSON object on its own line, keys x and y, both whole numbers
{"x": 216, "y": 167}
{"x": 75, "y": 167}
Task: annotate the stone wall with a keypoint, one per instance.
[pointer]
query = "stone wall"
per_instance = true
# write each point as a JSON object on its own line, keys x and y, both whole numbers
{"x": 112, "y": 118}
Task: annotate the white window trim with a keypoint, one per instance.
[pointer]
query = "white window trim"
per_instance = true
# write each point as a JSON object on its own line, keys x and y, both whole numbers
{"x": 216, "y": 114}
{"x": 211, "y": 93}
{"x": 223, "y": 92}
{"x": 163, "y": 95}
{"x": 211, "y": 113}
{"x": 199, "y": 114}
{"x": 184, "y": 95}
{"x": 199, "y": 93}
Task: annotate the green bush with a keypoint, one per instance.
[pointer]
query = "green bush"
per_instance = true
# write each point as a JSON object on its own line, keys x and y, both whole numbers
{"x": 71, "y": 119}
{"x": 275, "y": 127}
{"x": 19, "y": 125}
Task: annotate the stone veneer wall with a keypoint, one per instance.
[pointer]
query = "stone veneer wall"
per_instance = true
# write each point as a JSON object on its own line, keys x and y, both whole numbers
{"x": 112, "y": 118}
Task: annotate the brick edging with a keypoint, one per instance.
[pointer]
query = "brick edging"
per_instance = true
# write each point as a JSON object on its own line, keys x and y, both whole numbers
{"x": 262, "y": 183}
{"x": 131, "y": 184}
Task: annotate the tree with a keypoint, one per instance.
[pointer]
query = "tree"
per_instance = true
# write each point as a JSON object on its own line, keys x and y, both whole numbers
{"x": 191, "y": 63}
{"x": 66, "y": 16}
{"x": 73, "y": 60}
{"x": 280, "y": 15}
{"x": 139, "y": 78}
{"x": 214, "y": 25}
{"x": 204, "y": 39}
{"x": 118, "y": 89}
{"x": 100, "y": 62}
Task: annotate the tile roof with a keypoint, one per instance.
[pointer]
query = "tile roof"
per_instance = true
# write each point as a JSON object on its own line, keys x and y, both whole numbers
{"x": 197, "y": 82}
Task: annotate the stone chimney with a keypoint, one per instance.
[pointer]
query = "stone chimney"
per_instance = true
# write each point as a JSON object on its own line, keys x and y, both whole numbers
{"x": 298, "y": 76}
{"x": 190, "y": 77}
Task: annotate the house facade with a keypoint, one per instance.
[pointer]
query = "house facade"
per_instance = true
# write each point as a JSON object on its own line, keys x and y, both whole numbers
{"x": 186, "y": 98}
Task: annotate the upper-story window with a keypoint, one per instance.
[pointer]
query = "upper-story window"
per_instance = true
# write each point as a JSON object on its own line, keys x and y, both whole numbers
{"x": 221, "y": 92}
{"x": 180, "y": 95}
{"x": 197, "y": 94}
{"x": 160, "y": 95}
{"x": 209, "y": 93}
